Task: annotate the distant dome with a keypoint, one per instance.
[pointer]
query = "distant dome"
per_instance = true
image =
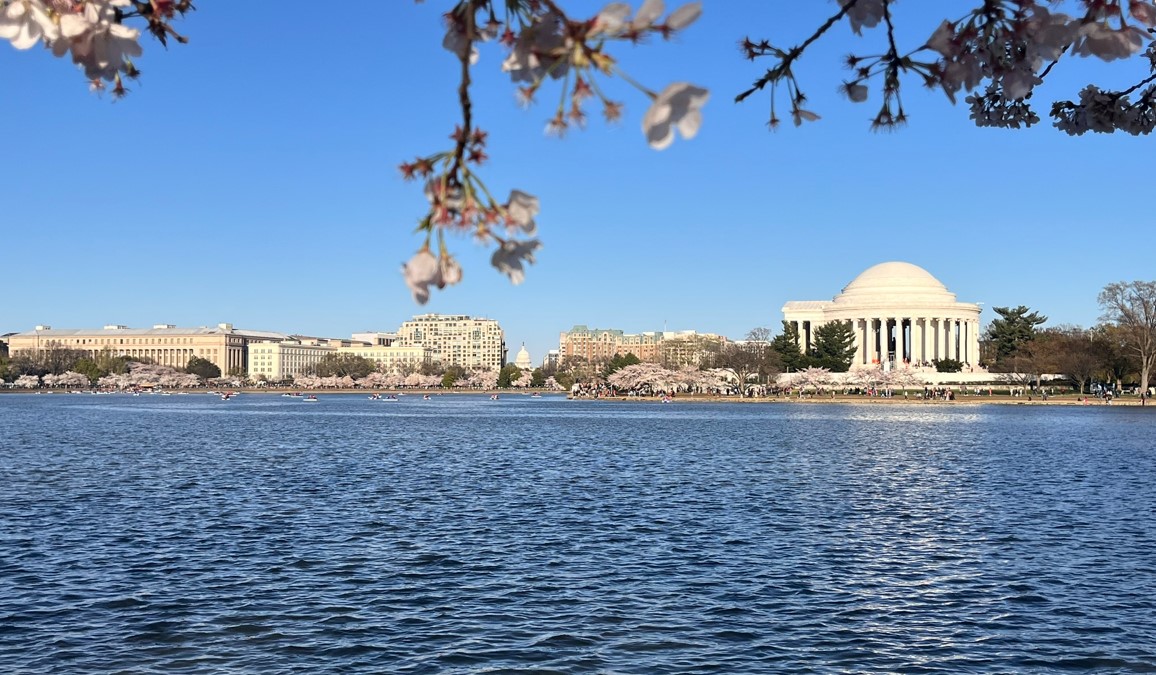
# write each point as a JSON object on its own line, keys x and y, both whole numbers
{"x": 522, "y": 360}
{"x": 895, "y": 282}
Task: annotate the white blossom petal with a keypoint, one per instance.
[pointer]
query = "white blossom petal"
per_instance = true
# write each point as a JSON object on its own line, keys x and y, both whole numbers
{"x": 521, "y": 209}
{"x": 420, "y": 273}
{"x": 648, "y": 13}
{"x": 511, "y": 256}
{"x": 684, "y": 16}
{"x": 678, "y": 106}
{"x": 612, "y": 19}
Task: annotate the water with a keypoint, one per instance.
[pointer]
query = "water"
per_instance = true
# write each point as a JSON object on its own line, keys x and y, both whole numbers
{"x": 263, "y": 534}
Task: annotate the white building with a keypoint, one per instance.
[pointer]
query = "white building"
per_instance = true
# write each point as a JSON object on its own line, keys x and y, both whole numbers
{"x": 901, "y": 315}
{"x": 523, "y": 360}
{"x": 457, "y": 340}
{"x": 392, "y": 358}
{"x": 281, "y": 360}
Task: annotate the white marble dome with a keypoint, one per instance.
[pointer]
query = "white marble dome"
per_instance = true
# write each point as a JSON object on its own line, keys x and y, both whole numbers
{"x": 895, "y": 282}
{"x": 522, "y": 360}
{"x": 900, "y": 315}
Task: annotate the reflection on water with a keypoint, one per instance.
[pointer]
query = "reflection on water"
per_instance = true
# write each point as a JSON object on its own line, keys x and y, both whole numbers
{"x": 543, "y": 535}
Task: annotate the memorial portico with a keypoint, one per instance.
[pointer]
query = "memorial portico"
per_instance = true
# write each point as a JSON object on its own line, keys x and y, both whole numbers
{"x": 900, "y": 315}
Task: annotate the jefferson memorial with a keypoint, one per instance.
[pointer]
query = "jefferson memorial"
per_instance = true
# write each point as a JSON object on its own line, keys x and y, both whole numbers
{"x": 901, "y": 315}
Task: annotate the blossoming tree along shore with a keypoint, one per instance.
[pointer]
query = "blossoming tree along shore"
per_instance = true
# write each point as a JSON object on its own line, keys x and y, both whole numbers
{"x": 993, "y": 54}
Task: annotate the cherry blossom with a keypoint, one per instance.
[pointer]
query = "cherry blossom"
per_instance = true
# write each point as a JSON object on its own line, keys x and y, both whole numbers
{"x": 27, "y": 382}
{"x": 678, "y": 106}
{"x": 26, "y": 22}
{"x": 449, "y": 270}
{"x": 99, "y": 44}
{"x": 612, "y": 20}
{"x": 1098, "y": 39}
{"x": 421, "y": 272}
{"x": 520, "y": 211}
{"x": 511, "y": 256}
{"x": 684, "y": 16}
{"x": 863, "y": 13}
{"x": 855, "y": 91}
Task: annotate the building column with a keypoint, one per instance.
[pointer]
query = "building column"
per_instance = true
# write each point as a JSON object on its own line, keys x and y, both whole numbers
{"x": 921, "y": 353}
{"x": 975, "y": 343}
{"x": 949, "y": 348}
{"x": 859, "y": 343}
{"x": 876, "y": 340}
{"x": 903, "y": 344}
{"x": 940, "y": 341}
{"x": 898, "y": 341}
{"x": 882, "y": 342}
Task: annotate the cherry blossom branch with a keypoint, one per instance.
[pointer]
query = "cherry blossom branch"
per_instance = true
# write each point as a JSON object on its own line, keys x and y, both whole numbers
{"x": 788, "y": 57}
{"x": 464, "y": 88}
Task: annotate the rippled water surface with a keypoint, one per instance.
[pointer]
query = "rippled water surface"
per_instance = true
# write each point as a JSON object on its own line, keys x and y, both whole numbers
{"x": 263, "y": 534}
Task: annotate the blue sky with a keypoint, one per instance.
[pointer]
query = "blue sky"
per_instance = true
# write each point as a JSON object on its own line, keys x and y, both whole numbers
{"x": 251, "y": 178}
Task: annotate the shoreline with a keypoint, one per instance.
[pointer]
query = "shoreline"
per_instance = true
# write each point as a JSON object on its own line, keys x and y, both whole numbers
{"x": 683, "y": 398}
{"x": 871, "y": 400}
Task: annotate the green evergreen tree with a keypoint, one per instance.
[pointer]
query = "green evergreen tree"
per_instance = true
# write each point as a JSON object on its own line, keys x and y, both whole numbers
{"x": 203, "y": 368}
{"x": 1015, "y": 328}
{"x": 786, "y": 345}
{"x": 618, "y": 362}
{"x": 834, "y": 347}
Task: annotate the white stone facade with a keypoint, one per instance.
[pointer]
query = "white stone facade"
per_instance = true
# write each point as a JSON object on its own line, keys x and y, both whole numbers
{"x": 902, "y": 317}
{"x": 457, "y": 340}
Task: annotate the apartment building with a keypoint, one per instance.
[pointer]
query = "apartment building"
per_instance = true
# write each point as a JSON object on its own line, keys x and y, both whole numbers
{"x": 456, "y": 340}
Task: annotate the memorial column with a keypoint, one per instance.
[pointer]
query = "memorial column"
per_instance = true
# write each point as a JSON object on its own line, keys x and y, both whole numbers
{"x": 943, "y": 337}
{"x": 860, "y": 343}
{"x": 975, "y": 342}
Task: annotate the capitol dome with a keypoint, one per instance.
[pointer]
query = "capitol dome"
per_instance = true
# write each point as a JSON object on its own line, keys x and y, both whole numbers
{"x": 522, "y": 360}
{"x": 892, "y": 282}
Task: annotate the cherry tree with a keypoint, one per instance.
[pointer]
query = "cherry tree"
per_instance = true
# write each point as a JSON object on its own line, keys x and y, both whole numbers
{"x": 27, "y": 382}
{"x": 870, "y": 378}
{"x": 68, "y": 379}
{"x": 485, "y": 379}
{"x": 642, "y": 377}
{"x": 118, "y": 381}
{"x": 991, "y": 53}
{"x": 306, "y": 381}
{"x": 906, "y": 379}
{"x": 814, "y": 378}
{"x": 374, "y": 380}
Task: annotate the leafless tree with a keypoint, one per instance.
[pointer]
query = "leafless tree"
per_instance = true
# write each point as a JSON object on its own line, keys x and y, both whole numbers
{"x": 1132, "y": 307}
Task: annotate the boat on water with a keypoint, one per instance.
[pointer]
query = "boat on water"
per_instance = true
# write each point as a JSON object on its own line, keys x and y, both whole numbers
{"x": 292, "y": 394}
{"x": 425, "y": 397}
{"x": 310, "y": 399}
{"x": 535, "y": 395}
{"x": 493, "y": 397}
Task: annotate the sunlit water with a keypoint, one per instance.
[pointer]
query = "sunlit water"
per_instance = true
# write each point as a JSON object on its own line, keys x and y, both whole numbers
{"x": 265, "y": 534}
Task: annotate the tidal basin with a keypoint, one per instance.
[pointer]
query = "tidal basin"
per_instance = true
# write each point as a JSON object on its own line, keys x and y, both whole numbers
{"x": 261, "y": 534}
